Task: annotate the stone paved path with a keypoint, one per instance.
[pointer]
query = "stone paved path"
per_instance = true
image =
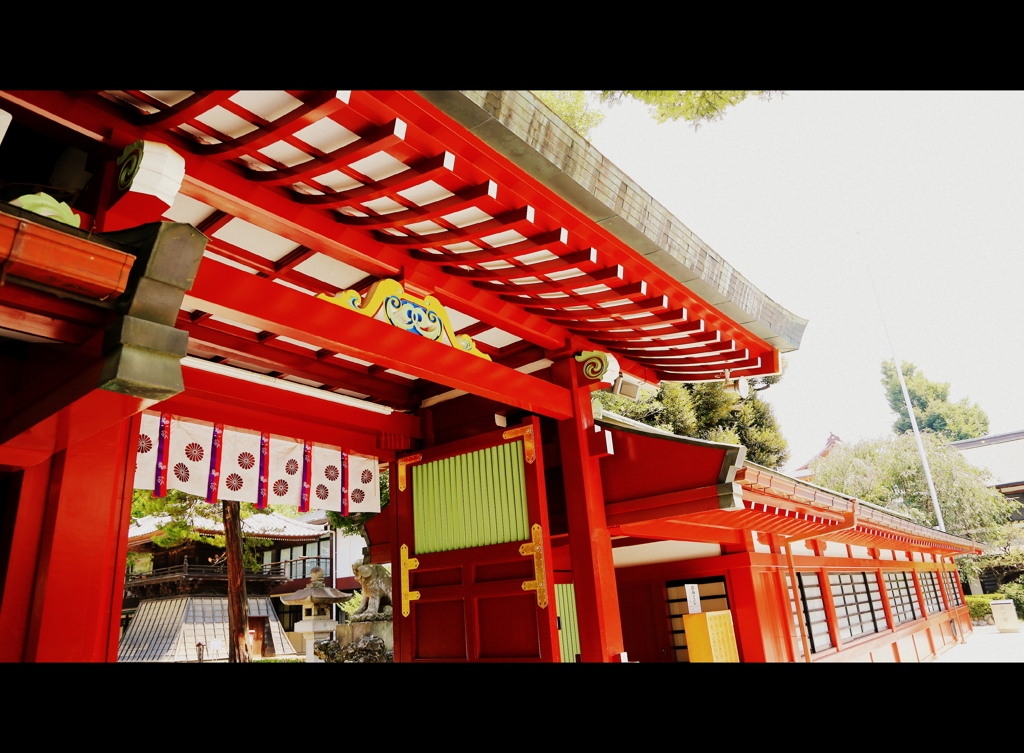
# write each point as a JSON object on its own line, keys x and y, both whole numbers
{"x": 987, "y": 644}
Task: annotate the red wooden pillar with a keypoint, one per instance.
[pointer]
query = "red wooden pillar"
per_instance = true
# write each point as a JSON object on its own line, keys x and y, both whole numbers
{"x": 752, "y": 616}
{"x": 65, "y": 576}
{"x": 590, "y": 545}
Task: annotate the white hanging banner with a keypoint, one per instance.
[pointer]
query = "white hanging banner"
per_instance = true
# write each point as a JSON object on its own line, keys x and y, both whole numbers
{"x": 362, "y": 484}
{"x": 245, "y": 461}
{"x": 325, "y": 479}
{"x": 147, "y": 452}
{"x": 188, "y": 459}
{"x": 284, "y": 476}
{"x": 239, "y": 466}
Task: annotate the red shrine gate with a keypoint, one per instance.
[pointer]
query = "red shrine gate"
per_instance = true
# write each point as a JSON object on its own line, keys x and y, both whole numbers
{"x": 434, "y": 279}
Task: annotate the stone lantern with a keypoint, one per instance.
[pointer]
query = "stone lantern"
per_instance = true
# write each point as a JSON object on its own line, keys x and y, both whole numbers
{"x": 316, "y": 623}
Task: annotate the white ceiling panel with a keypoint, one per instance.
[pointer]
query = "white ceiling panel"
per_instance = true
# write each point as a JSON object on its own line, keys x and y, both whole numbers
{"x": 337, "y": 181}
{"x": 426, "y": 193}
{"x": 503, "y": 238}
{"x": 536, "y": 256}
{"x": 255, "y": 239}
{"x": 425, "y": 228}
{"x": 236, "y": 324}
{"x": 331, "y": 271}
{"x": 229, "y": 262}
{"x": 458, "y": 319}
{"x": 188, "y": 210}
{"x": 326, "y": 135}
{"x": 467, "y": 217}
{"x": 384, "y": 205}
{"x": 269, "y": 105}
{"x": 169, "y": 97}
{"x": 378, "y": 166}
{"x": 285, "y": 153}
{"x": 496, "y": 337}
{"x": 226, "y": 122}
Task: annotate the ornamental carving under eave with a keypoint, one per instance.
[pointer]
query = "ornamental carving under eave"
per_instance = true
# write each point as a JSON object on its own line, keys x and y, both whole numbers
{"x": 387, "y": 301}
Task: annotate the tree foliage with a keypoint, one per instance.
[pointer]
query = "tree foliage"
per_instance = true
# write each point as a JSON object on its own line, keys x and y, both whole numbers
{"x": 707, "y": 411}
{"x": 932, "y": 408}
{"x": 888, "y": 472}
{"x": 186, "y": 515}
{"x": 355, "y": 523}
{"x": 1003, "y": 557}
{"x": 575, "y": 108}
{"x": 695, "y": 106}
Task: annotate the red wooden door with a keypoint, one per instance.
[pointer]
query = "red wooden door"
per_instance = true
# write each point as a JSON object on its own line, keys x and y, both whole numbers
{"x": 472, "y": 576}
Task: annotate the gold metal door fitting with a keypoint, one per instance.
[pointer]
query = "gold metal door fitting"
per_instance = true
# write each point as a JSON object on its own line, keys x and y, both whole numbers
{"x": 535, "y": 549}
{"x": 526, "y": 432}
{"x": 407, "y": 565}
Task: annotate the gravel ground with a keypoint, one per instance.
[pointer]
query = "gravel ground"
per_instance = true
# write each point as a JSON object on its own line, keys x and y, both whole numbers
{"x": 987, "y": 644}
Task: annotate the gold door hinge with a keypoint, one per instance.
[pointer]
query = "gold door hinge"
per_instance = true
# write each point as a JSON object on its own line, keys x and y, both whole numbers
{"x": 407, "y": 565}
{"x": 535, "y": 549}
{"x": 402, "y": 462}
{"x": 526, "y": 432}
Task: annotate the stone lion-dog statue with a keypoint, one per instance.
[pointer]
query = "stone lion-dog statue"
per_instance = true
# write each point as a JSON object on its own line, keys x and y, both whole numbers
{"x": 376, "y": 583}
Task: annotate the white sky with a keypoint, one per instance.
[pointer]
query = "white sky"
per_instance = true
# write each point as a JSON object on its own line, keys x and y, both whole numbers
{"x": 928, "y": 185}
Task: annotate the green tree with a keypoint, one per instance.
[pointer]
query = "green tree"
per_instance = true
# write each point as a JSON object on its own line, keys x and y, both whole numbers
{"x": 932, "y": 408}
{"x": 186, "y": 522}
{"x": 707, "y": 411}
{"x": 695, "y": 106}
{"x": 888, "y": 472}
{"x": 1003, "y": 558}
{"x": 355, "y": 523}
{"x": 575, "y": 108}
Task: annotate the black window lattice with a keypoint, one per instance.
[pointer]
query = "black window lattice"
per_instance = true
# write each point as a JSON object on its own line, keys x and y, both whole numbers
{"x": 953, "y": 589}
{"x": 858, "y": 603}
{"x": 930, "y": 589}
{"x": 812, "y": 607}
{"x": 902, "y": 596}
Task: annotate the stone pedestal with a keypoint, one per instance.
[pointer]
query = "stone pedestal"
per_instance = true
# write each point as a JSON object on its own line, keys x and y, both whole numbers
{"x": 315, "y": 629}
{"x": 353, "y": 631}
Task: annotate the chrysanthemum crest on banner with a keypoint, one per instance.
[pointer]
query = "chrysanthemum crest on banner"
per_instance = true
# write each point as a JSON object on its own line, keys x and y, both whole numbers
{"x": 387, "y": 301}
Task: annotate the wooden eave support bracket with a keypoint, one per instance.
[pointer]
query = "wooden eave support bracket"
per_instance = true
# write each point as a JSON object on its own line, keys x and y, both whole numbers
{"x": 143, "y": 350}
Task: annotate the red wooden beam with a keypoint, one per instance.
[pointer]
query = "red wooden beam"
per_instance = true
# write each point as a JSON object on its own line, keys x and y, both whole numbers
{"x": 244, "y": 298}
{"x": 306, "y": 367}
{"x": 41, "y": 325}
{"x": 214, "y": 397}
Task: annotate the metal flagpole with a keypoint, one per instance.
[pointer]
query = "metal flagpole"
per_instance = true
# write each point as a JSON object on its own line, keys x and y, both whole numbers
{"x": 906, "y": 395}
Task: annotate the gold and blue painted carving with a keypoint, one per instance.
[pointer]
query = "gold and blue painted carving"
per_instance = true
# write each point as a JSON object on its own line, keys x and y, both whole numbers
{"x": 387, "y": 301}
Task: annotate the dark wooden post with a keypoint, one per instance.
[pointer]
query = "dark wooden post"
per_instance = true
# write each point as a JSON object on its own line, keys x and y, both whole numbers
{"x": 238, "y": 602}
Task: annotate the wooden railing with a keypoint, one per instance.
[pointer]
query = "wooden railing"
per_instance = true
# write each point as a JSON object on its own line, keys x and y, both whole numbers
{"x": 289, "y": 570}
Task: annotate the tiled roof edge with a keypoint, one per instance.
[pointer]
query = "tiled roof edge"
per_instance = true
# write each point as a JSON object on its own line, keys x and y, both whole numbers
{"x": 524, "y": 130}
